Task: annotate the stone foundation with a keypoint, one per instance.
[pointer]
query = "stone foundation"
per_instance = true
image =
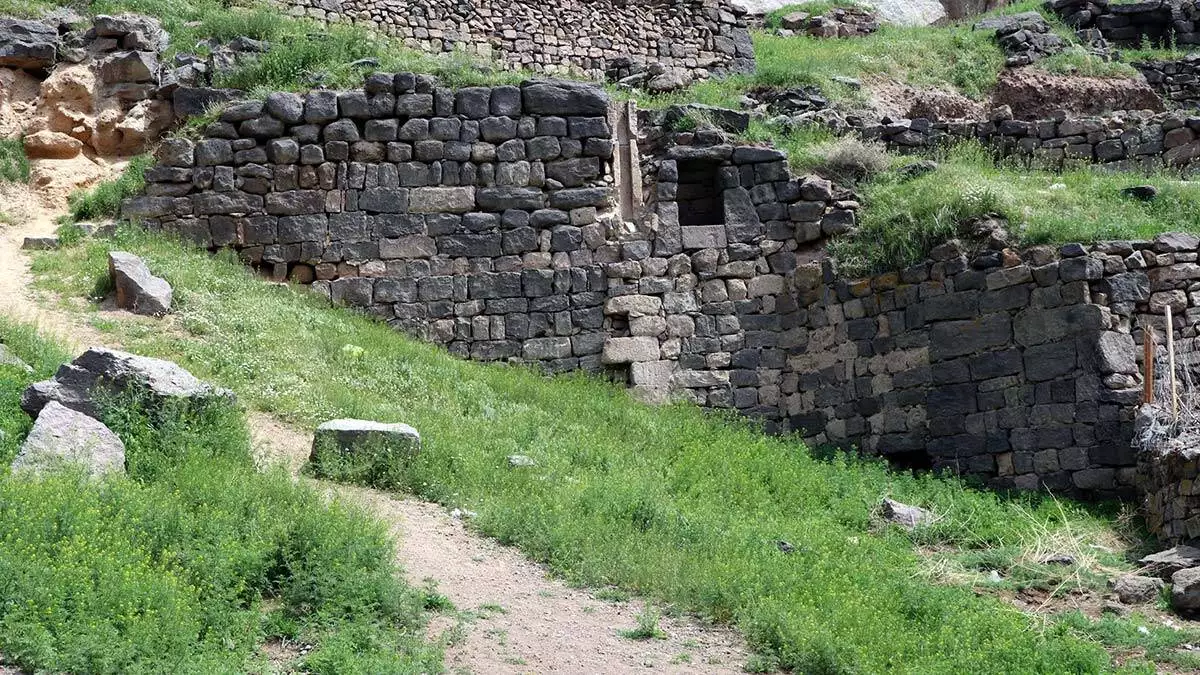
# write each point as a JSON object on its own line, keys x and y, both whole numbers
{"x": 1133, "y": 141}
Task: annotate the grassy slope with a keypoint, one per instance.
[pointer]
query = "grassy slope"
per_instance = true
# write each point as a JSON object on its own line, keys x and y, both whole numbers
{"x": 904, "y": 219}
{"x": 681, "y": 505}
{"x": 193, "y": 561}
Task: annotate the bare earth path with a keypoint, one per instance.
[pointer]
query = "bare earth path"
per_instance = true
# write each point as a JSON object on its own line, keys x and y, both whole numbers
{"x": 518, "y": 619}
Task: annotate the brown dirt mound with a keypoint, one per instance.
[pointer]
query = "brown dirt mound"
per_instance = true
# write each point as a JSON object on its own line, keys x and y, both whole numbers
{"x": 1036, "y": 94}
{"x": 895, "y": 99}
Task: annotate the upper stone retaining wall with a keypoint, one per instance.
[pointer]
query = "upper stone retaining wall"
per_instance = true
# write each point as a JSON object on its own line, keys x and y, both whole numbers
{"x": 697, "y": 38}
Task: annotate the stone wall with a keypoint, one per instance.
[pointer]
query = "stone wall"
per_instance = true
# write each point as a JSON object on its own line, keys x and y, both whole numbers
{"x": 1139, "y": 141}
{"x": 1176, "y": 81}
{"x": 1159, "y": 22}
{"x": 525, "y": 223}
{"x": 1168, "y": 476}
{"x": 695, "y": 38}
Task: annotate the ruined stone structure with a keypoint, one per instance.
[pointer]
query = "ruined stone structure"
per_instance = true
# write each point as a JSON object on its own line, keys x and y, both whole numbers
{"x": 1168, "y": 476}
{"x": 695, "y": 38}
{"x": 538, "y": 223}
{"x": 1176, "y": 81}
{"x": 1159, "y": 22}
{"x": 1125, "y": 141}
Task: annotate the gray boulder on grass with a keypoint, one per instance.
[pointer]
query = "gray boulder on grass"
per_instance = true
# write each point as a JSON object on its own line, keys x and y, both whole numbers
{"x": 1135, "y": 590}
{"x": 1185, "y": 590}
{"x": 138, "y": 290}
{"x": 62, "y": 436}
{"x": 98, "y": 372}
{"x": 905, "y": 516}
{"x": 349, "y": 435}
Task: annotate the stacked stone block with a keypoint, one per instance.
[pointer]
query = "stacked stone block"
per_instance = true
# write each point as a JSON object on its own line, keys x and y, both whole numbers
{"x": 695, "y": 38}
{"x": 1125, "y": 141}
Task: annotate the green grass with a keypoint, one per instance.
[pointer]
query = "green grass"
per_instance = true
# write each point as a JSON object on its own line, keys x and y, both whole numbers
{"x": 14, "y": 166}
{"x": 191, "y": 562}
{"x": 903, "y": 219}
{"x": 104, "y": 200}
{"x": 673, "y": 503}
{"x": 647, "y": 627}
{"x": 954, "y": 57}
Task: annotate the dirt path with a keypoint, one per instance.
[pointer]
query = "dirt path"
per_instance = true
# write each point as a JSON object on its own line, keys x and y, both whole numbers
{"x": 514, "y": 617}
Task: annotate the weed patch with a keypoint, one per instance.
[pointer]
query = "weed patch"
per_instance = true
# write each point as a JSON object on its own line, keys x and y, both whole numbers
{"x": 647, "y": 627}
{"x": 104, "y": 200}
{"x": 14, "y": 166}
{"x": 193, "y": 560}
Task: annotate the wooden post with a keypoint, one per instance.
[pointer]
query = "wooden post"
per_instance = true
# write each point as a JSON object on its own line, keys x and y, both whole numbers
{"x": 1148, "y": 364}
{"x": 1171, "y": 365}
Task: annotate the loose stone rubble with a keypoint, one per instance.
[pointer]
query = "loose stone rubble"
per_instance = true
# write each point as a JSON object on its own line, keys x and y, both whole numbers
{"x": 839, "y": 22}
{"x": 1025, "y": 37}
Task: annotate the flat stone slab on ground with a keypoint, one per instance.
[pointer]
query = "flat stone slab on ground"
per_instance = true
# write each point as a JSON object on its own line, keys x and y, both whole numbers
{"x": 1166, "y": 563}
{"x": 40, "y": 243}
{"x": 351, "y": 434}
{"x": 61, "y": 437}
{"x": 138, "y": 290}
{"x": 98, "y": 371}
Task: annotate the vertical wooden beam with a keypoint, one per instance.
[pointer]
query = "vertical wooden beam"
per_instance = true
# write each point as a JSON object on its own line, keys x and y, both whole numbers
{"x": 1171, "y": 365}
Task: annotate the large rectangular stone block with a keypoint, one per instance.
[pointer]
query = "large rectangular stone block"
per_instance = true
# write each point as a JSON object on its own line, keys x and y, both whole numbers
{"x": 948, "y": 339}
{"x": 630, "y": 350}
{"x": 441, "y": 200}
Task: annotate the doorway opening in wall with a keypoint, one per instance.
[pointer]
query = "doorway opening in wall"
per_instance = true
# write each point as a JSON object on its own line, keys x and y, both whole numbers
{"x": 911, "y": 460}
{"x": 700, "y": 196}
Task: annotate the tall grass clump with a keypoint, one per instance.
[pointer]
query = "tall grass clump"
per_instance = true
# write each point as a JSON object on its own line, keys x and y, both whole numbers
{"x": 14, "y": 165}
{"x": 194, "y": 560}
{"x": 682, "y": 506}
{"x": 104, "y": 200}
